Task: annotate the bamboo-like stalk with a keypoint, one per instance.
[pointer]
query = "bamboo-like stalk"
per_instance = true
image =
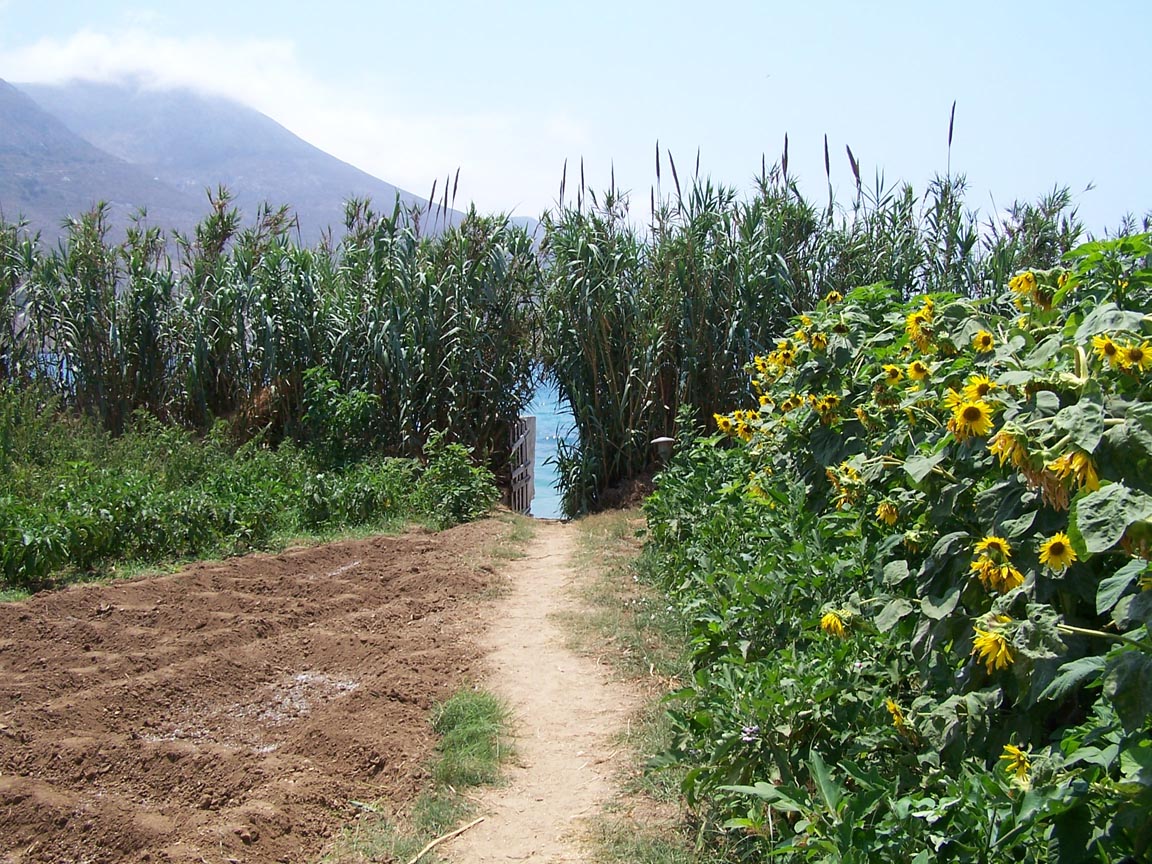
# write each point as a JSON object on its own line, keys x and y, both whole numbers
{"x": 443, "y": 332}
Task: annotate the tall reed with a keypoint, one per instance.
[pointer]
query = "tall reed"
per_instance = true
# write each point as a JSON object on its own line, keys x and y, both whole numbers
{"x": 638, "y": 325}
{"x": 438, "y": 331}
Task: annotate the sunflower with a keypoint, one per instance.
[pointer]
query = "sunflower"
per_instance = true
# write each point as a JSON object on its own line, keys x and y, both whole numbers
{"x": 953, "y": 399}
{"x": 1076, "y": 464}
{"x": 845, "y": 479}
{"x": 1017, "y": 761}
{"x": 1005, "y": 578}
{"x": 833, "y": 625}
{"x": 978, "y": 387}
{"x": 983, "y": 342}
{"x": 850, "y": 474}
{"x": 918, "y": 370}
{"x": 991, "y": 647}
{"x": 992, "y": 544}
{"x": 986, "y": 570}
{"x": 1023, "y": 283}
{"x": 1057, "y": 553}
{"x": 892, "y": 374}
{"x": 973, "y": 417}
{"x": 1000, "y": 578}
{"x": 833, "y": 297}
{"x": 897, "y": 715}
{"x": 766, "y": 401}
{"x": 800, "y": 335}
{"x": 915, "y": 322}
{"x": 1136, "y": 358}
{"x": 917, "y": 326}
{"x": 805, "y": 321}
{"x": 1007, "y": 445}
{"x": 826, "y": 404}
{"x": 887, "y": 513}
{"x": 819, "y": 341}
{"x": 724, "y": 423}
{"x": 1106, "y": 349}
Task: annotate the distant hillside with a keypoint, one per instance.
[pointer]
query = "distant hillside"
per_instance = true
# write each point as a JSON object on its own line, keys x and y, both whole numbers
{"x": 48, "y": 172}
{"x": 193, "y": 142}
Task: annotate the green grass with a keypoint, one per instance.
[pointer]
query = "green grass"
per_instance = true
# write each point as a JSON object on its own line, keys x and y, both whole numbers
{"x": 622, "y": 610}
{"x": 473, "y": 730}
{"x": 510, "y": 546}
{"x": 77, "y": 504}
{"x": 619, "y": 841}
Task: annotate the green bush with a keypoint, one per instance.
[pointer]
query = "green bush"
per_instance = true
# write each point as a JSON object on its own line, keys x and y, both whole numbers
{"x": 918, "y": 579}
{"x": 366, "y": 492}
{"x": 452, "y": 488}
{"x": 75, "y": 501}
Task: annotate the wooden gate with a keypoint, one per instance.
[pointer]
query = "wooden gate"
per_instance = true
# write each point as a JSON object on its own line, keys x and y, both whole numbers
{"x": 523, "y": 435}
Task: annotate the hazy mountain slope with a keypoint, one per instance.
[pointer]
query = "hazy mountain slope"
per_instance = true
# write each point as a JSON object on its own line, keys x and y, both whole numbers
{"x": 195, "y": 142}
{"x": 48, "y": 172}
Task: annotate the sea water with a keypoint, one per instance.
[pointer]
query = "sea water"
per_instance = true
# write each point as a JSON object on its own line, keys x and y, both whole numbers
{"x": 553, "y": 424}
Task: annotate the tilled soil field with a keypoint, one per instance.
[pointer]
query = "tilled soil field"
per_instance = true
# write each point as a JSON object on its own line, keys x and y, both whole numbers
{"x": 231, "y": 711}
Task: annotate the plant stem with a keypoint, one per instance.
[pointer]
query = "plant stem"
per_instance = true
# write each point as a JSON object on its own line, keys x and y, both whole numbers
{"x": 1114, "y": 637}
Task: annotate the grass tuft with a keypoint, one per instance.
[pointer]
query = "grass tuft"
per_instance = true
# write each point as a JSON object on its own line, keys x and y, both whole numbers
{"x": 471, "y": 725}
{"x": 473, "y": 730}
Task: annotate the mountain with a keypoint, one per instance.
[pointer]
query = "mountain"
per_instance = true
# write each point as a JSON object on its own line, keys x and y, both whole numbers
{"x": 49, "y": 172}
{"x": 193, "y": 143}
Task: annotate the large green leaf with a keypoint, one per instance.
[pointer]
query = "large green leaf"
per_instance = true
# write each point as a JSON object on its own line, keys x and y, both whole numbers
{"x": 1140, "y": 609}
{"x": 829, "y": 789}
{"x": 1135, "y": 433}
{"x": 1099, "y": 519}
{"x": 1129, "y": 686}
{"x": 1073, "y": 675}
{"x": 919, "y": 467}
{"x": 1112, "y": 588}
{"x": 1107, "y": 318}
{"x": 1084, "y": 420}
{"x": 939, "y": 607}
{"x": 896, "y": 572}
{"x": 891, "y": 614}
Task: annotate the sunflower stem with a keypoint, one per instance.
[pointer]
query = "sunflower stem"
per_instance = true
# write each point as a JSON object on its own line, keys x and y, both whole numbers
{"x": 1083, "y": 631}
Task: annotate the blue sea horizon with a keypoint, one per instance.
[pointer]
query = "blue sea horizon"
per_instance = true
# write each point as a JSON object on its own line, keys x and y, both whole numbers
{"x": 554, "y": 423}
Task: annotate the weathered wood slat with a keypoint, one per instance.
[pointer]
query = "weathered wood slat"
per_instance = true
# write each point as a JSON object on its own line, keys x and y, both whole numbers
{"x": 522, "y": 437}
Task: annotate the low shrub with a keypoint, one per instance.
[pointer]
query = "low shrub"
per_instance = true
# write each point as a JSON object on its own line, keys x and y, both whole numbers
{"x": 75, "y": 501}
{"x": 451, "y": 488}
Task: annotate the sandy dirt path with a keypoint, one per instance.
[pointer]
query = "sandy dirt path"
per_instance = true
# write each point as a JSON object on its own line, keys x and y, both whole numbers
{"x": 566, "y": 711}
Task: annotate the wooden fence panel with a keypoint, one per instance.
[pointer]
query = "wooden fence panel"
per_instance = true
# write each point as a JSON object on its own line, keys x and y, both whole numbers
{"x": 523, "y": 435}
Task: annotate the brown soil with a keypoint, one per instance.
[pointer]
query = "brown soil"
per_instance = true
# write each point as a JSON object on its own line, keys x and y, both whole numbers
{"x": 232, "y": 711}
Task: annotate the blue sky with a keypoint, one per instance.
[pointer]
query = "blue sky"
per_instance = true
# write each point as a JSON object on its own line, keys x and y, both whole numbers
{"x": 1047, "y": 93}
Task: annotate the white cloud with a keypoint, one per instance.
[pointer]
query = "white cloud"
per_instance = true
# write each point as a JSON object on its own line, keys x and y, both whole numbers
{"x": 504, "y": 157}
{"x": 247, "y": 70}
